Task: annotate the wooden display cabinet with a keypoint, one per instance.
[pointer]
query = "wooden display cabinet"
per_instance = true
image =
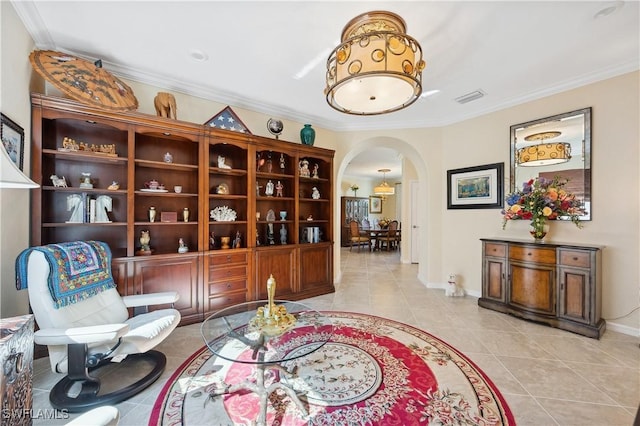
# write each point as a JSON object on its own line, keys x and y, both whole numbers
{"x": 351, "y": 208}
{"x": 176, "y": 153}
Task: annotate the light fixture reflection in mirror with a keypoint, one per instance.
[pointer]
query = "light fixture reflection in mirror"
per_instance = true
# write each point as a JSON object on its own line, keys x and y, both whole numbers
{"x": 535, "y": 152}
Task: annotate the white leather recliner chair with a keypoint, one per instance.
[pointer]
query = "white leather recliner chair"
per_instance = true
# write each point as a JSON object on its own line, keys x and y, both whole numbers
{"x": 89, "y": 333}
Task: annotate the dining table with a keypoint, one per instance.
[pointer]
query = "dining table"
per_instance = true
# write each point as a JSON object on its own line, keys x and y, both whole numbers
{"x": 375, "y": 234}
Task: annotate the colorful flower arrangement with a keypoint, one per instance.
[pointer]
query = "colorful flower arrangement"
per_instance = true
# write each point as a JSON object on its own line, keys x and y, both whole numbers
{"x": 539, "y": 200}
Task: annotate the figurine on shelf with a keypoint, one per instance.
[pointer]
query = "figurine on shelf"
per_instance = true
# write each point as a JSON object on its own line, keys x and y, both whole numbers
{"x": 315, "y": 171}
{"x": 304, "y": 168}
{"x": 259, "y": 161}
{"x": 283, "y": 234}
{"x": 237, "y": 241}
{"x": 182, "y": 247}
{"x": 282, "y": 163}
{"x": 315, "y": 194}
{"x": 279, "y": 188}
{"x": 85, "y": 181}
{"x": 269, "y": 163}
{"x": 145, "y": 239}
{"x": 58, "y": 182}
{"x": 212, "y": 241}
{"x": 310, "y": 218}
{"x": 168, "y": 158}
{"x": 222, "y": 163}
{"x": 257, "y": 239}
{"x": 114, "y": 186}
{"x": 258, "y": 189}
{"x": 74, "y": 202}
{"x": 104, "y": 204}
{"x": 268, "y": 191}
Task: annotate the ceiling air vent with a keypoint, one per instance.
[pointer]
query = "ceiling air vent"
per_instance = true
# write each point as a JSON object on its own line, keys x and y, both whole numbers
{"x": 472, "y": 96}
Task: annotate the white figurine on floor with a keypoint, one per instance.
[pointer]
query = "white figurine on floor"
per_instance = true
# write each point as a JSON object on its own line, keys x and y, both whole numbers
{"x": 452, "y": 289}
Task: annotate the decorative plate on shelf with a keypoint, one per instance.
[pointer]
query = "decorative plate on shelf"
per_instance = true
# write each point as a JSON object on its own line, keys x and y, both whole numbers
{"x": 222, "y": 189}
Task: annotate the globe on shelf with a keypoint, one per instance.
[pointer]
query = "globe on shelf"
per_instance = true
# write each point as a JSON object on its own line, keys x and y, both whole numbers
{"x": 275, "y": 127}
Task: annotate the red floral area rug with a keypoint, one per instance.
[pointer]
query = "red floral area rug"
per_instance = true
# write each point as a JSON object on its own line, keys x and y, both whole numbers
{"x": 374, "y": 371}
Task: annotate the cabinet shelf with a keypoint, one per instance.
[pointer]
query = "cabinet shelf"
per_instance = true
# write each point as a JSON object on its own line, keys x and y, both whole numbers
{"x": 166, "y": 166}
{"x": 85, "y": 158}
{"x": 229, "y": 222}
{"x": 227, "y": 197}
{"x": 165, "y": 223}
{"x": 313, "y": 200}
{"x": 74, "y": 224}
{"x": 311, "y": 179}
{"x": 228, "y": 172}
{"x": 165, "y": 194}
{"x": 267, "y": 198}
{"x": 85, "y": 190}
{"x": 265, "y": 175}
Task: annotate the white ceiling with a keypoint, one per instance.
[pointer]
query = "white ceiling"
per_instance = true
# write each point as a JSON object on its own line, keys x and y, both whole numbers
{"x": 513, "y": 51}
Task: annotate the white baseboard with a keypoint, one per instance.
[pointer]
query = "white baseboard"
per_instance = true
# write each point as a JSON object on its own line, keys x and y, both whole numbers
{"x": 624, "y": 329}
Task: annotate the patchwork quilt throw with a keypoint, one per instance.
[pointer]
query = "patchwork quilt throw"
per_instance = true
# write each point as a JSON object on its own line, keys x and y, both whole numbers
{"x": 78, "y": 270}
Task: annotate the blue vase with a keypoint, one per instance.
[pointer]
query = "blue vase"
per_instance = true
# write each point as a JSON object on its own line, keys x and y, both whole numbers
{"x": 307, "y": 135}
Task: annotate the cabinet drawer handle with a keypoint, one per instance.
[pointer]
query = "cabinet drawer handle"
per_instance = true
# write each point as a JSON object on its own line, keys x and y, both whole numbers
{"x": 529, "y": 254}
{"x": 228, "y": 285}
{"x": 228, "y": 258}
{"x": 575, "y": 258}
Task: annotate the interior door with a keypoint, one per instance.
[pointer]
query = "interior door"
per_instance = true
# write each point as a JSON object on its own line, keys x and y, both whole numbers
{"x": 414, "y": 227}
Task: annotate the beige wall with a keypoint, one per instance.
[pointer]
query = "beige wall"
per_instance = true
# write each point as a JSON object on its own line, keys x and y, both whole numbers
{"x": 449, "y": 239}
{"x": 15, "y": 83}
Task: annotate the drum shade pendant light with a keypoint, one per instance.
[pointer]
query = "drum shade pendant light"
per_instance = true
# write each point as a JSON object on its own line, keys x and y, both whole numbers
{"x": 384, "y": 188}
{"x": 543, "y": 154}
{"x": 377, "y": 68}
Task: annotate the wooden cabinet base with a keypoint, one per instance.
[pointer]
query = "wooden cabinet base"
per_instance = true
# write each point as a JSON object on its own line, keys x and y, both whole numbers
{"x": 555, "y": 284}
{"x": 595, "y": 331}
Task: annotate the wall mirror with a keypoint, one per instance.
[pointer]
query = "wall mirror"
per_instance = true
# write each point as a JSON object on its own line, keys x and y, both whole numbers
{"x": 555, "y": 146}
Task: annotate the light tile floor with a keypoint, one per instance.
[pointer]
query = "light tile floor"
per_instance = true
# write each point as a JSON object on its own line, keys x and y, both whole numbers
{"x": 548, "y": 376}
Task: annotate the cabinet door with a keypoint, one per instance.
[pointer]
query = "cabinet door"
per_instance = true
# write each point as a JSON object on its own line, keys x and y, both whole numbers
{"x": 494, "y": 280}
{"x": 170, "y": 273}
{"x": 574, "y": 294}
{"x": 532, "y": 287}
{"x": 281, "y": 262}
{"x": 315, "y": 268}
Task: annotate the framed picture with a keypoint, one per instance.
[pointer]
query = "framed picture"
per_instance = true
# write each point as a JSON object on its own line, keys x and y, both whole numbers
{"x": 227, "y": 119}
{"x": 479, "y": 187}
{"x": 13, "y": 140}
{"x": 375, "y": 204}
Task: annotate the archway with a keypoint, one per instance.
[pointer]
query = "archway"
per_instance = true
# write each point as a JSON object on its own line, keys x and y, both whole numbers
{"x": 411, "y": 155}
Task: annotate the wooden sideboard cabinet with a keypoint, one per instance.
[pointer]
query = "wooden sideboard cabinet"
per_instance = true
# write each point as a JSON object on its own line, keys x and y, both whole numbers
{"x": 556, "y": 284}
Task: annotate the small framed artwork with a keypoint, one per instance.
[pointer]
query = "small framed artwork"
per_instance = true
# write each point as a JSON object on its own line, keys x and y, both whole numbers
{"x": 13, "y": 140}
{"x": 479, "y": 187}
{"x": 375, "y": 204}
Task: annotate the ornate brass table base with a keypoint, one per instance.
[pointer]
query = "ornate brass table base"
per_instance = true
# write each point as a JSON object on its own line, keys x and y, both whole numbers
{"x": 263, "y": 391}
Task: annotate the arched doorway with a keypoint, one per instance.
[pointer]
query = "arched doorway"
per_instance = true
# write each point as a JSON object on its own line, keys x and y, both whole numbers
{"x": 410, "y": 155}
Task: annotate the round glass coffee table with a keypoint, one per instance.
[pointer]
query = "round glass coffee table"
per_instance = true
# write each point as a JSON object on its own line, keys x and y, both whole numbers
{"x": 255, "y": 333}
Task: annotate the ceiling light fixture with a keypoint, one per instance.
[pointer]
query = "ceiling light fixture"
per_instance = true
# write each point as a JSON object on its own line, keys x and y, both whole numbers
{"x": 377, "y": 68}
{"x": 543, "y": 154}
{"x": 384, "y": 188}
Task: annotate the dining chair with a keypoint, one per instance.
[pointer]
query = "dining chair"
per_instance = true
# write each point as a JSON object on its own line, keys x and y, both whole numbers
{"x": 356, "y": 237}
{"x": 390, "y": 240}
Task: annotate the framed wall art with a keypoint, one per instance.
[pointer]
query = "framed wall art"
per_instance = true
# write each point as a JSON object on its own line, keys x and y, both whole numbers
{"x": 375, "y": 204}
{"x": 227, "y": 119}
{"x": 479, "y": 187}
{"x": 13, "y": 140}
